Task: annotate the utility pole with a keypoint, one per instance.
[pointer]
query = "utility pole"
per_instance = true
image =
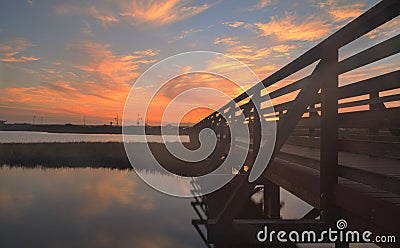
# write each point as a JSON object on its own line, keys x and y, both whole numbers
{"x": 41, "y": 120}
{"x": 116, "y": 119}
{"x": 138, "y": 119}
{"x": 33, "y": 121}
{"x": 84, "y": 120}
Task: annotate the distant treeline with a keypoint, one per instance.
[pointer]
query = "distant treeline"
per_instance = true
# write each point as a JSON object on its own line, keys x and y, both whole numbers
{"x": 92, "y": 129}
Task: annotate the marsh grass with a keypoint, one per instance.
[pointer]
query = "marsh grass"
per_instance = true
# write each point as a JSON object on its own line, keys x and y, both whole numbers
{"x": 73, "y": 154}
{"x": 91, "y": 154}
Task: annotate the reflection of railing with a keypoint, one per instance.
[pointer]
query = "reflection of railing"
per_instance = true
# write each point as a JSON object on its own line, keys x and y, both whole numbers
{"x": 200, "y": 208}
{"x": 320, "y": 104}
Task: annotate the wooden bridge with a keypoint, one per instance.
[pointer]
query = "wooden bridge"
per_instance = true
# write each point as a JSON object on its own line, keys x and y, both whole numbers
{"x": 337, "y": 146}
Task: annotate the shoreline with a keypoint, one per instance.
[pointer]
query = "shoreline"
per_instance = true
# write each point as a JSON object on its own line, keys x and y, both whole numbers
{"x": 94, "y": 129}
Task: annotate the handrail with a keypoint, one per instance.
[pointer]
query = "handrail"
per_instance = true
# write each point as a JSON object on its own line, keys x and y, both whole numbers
{"x": 381, "y": 13}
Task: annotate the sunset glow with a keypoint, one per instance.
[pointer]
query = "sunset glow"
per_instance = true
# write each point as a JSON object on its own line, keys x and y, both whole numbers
{"x": 73, "y": 61}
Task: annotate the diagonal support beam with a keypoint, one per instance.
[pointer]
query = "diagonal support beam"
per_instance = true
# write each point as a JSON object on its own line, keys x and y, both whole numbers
{"x": 312, "y": 214}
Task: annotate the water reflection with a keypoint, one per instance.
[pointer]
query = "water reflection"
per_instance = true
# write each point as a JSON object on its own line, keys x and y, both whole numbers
{"x": 89, "y": 208}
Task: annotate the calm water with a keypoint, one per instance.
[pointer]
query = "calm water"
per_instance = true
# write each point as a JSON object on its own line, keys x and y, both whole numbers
{"x": 86, "y": 207}
{"x": 89, "y": 208}
{"x": 38, "y": 137}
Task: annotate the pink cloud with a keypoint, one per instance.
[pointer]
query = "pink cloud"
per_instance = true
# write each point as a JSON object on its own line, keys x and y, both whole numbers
{"x": 226, "y": 40}
{"x": 11, "y": 51}
{"x": 342, "y": 13}
{"x": 160, "y": 12}
{"x": 290, "y": 29}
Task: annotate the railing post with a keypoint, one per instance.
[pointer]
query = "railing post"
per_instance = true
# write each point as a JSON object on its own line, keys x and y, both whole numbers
{"x": 231, "y": 119}
{"x": 271, "y": 190}
{"x": 256, "y": 124}
{"x": 194, "y": 137}
{"x": 329, "y": 135}
{"x": 375, "y": 104}
{"x": 313, "y": 113}
{"x": 272, "y": 204}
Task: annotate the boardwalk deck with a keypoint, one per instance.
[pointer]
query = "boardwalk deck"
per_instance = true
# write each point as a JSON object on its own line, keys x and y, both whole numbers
{"x": 371, "y": 177}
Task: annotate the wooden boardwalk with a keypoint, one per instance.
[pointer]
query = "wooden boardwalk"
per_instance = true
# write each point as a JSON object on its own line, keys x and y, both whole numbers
{"x": 337, "y": 146}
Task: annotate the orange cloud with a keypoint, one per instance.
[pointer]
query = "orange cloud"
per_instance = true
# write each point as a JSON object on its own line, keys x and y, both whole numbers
{"x": 10, "y": 52}
{"x": 98, "y": 91}
{"x": 155, "y": 12}
{"x": 248, "y": 54}
{"x": 288, "y": 29}
{"x": 342, "y": 13}
{"x": 160, "y": 12}
{"x": 226, "y": 40}
{"x": 264, "y": 3}
{"x": 109, "y": 68}
{"x": 233, "y": 24}
{"x": 104, "y": 15}
{"x": 184, "y": 34}
{"x": 263, "y": 71}
{"x": 261, "y": 4}
{"x": 283, "y": 48}
{"x": 107, "y": 19}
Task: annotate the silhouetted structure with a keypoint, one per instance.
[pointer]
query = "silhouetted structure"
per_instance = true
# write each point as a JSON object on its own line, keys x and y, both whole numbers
{"x": 342, "y": 161}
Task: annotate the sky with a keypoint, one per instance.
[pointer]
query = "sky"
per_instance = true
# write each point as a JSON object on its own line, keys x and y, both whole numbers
{"x": 76, "y": 61}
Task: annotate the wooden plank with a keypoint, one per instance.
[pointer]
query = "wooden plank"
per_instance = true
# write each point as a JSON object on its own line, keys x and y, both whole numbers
{"x": 372, "y": 148}
{"x": 349, "y": 159}
{"x": 382, "y": 213}
{"x": 371, "y": 102}
{"x": 302, "y": 183}
{"x": 290, "y": 88}
{"x": 379, "y": 83}
{"x": 298, "y": 180}
{"x": 385, "y": 165}
{"x": 299, "y": 159}
{"x": 368, "y": 147}
{"x": 354, "y": 103}
{"x": 382, "y": 50}
{"x": 377, "y": 180}
{"x": 385, "y": 118}
{"x": 365, "y": 176}
{"x": 382, "y": 138}
{"x": 304, "y": 141}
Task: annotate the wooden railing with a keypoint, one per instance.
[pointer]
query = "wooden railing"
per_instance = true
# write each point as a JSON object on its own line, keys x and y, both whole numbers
{"x": 319, "y": 101}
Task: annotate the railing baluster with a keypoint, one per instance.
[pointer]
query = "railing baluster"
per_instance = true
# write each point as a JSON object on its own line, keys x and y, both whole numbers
{"x": 329, "y": 134}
